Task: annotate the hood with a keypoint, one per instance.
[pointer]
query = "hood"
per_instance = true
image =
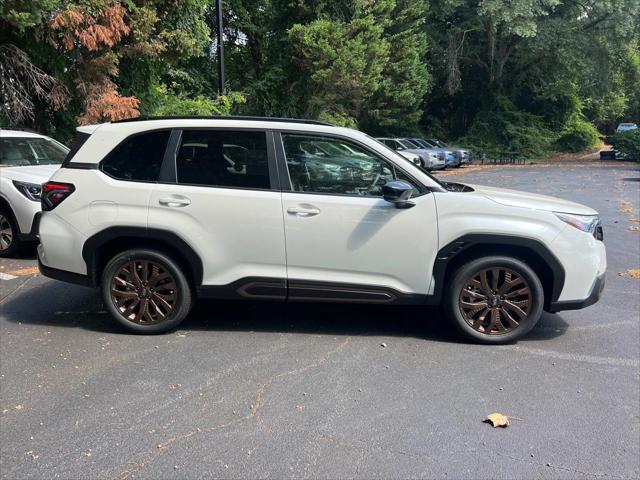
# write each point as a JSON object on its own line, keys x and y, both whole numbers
{"x": 29, "y": 173}
{"x": 516, "y": 198}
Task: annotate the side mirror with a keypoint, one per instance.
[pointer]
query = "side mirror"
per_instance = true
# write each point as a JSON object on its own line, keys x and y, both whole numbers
{"x": 398, "y": 192}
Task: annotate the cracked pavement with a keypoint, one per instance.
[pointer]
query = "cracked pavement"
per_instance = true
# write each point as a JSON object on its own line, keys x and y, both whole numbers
{"x": 268, "y": 390}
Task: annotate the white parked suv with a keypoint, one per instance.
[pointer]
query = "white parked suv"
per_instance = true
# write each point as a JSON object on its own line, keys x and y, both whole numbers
{"x": 27, "y": 160}
{"x": 155, "y": 223}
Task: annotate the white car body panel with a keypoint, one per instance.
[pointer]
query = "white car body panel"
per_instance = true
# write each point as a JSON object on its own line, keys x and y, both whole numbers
{"x": 240, "y": 233}
{"x": 23, "y": 209}
{"x": 237, "y": 233}
{"x": 361, "y": 241}
{"x": 532, "y": 201}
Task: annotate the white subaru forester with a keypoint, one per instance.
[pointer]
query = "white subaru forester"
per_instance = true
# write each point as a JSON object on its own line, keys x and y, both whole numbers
{"x": 157, "y": 212}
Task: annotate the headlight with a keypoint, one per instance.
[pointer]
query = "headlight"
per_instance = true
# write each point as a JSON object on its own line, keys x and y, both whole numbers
{"x": 586, "y": 223}
{"x": 30, "y": 190}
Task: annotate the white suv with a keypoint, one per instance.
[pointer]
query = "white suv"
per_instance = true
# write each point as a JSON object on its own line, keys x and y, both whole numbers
{"x": 27, "y": 160}
{"x": 250, "y": 213}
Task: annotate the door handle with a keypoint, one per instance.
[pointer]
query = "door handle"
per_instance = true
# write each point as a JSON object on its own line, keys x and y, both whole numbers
{"x": 175, "y": 201}
{"x": 303, "y": 211}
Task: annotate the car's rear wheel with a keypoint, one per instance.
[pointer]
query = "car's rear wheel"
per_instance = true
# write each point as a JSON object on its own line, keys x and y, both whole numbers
{"x": 146, "y": 291}
{"x": 9, "y": 244}
{"x": 494, "y": 299}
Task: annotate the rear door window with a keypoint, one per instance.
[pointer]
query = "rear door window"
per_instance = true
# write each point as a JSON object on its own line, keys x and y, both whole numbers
{"x": 138, "y": 158}
{"x": 223, "y": 158}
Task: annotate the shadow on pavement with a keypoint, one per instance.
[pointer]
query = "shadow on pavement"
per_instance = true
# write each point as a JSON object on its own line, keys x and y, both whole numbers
{"x": 77, "y": 307}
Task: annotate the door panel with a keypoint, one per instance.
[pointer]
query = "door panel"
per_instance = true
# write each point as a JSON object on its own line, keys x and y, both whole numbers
{"x": 338, "y": 227}
{"x": 363, "y": 241}
{"x": 220, "y": 203}
{"x": 237, "y": 233}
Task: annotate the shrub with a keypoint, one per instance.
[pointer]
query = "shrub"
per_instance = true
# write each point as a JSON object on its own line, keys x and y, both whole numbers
{"x": 170, "y": 104}
{"x": 507, "y": 129}
{"x": 578, "y": 135}
{"x": 627, "y": 144}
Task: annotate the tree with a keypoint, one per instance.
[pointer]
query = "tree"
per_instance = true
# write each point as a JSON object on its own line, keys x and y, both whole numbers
{"x": 22, "y": 83}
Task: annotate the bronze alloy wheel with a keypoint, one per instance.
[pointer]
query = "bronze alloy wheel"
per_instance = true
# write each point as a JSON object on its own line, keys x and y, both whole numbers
{"x": 144, "y": 292}
{"x": 495, "y": 301}
{"x": 6, "y": 233}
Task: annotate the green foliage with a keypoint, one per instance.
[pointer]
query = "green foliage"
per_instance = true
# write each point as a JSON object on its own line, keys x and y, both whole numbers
{"x": 340, "y": 65}
{"x": 507, "y": 129}
{"x": 171, "y": 104}
{"x": 578, "y": 135}
{"x": 505, "y": 75}
{"x": 627, "y": 144}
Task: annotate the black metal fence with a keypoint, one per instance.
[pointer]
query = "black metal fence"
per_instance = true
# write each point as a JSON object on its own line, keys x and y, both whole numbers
{"x": 499, "y": 158}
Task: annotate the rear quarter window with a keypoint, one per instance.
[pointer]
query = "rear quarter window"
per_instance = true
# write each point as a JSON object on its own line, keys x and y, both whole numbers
{"x": 138, "y": 158}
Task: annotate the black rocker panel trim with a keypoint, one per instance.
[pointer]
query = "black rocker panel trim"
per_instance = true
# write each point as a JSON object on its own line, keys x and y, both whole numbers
{"x": 263, "y": 288}
{"x": 91, "y": 248}
{"x": 312, "y": 291}
{"x": 250, "y": 288}
{"x": 461, "y": 244}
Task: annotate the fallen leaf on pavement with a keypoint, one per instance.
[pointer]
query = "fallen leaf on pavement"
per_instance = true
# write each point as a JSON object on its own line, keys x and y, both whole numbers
{"x": 24, "y": 271}
{"x": 625, "y": 206}
{"x": 632, "y": 272}
{"x": 497, "y": 420}
{"x": 34, "y": 456}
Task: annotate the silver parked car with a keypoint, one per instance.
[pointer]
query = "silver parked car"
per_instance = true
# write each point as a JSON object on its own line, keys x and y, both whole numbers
{"x": 451, "y": 159}
{"x": 430, "y": 159}
{"x": 463, "y": 154}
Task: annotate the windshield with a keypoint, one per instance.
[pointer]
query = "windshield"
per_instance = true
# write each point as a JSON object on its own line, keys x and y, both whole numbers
{"x": 421, "y": 142}
{"x": 407, "y": 144}
{"x": 440, "y": 143}
{"x": 396, "y": 154}
{"x": 21, "y": 151}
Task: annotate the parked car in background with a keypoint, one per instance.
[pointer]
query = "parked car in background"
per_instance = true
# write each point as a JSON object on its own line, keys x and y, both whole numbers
{"x": 626, "y": 127}
{"x": 446, "y": 154}
{"x": 131, "y": 212}
{"x": 412, "y": 157}
{"x": 429, "y": 158}
{"x": 463, "y": 154}
{"x": 27, "y": 160}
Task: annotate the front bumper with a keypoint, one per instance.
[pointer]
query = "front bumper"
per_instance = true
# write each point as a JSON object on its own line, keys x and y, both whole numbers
{"x": 594, "y": 295}
{"x": 33, "y": 234}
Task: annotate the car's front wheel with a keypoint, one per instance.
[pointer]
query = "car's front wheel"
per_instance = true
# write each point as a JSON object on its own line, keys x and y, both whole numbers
{"x": 146, "y": 291}
{"x": 494, "y": 299}
{"x": 9, "y": 244}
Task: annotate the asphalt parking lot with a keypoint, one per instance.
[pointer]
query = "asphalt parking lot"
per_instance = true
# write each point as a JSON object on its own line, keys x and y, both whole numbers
{"x": 309, "y": 391}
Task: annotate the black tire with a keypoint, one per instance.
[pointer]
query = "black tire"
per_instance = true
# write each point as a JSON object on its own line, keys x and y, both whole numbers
{"x": 9, "y": 243}
{"x": 460, "y": 284}
{"x": 168, "y": 275}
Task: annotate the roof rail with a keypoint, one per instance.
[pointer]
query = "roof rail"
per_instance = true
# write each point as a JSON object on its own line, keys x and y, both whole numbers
{"x": 229, "y": 117}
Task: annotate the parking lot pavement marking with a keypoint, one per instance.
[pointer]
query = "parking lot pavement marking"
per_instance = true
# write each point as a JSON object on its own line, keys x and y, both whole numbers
{"x": 6, "y": 276}
{"x": 616, "y": 362}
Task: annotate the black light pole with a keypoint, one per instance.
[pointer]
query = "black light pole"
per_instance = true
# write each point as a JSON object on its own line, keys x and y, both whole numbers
{"x": 220, "y": 49}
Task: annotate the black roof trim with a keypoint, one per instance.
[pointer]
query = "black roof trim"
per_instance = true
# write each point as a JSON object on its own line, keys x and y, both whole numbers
{"x": 230, "y": 117}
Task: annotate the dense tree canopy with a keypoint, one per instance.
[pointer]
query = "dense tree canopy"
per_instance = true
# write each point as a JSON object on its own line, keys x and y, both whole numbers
{"x": 532, "y": 76}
